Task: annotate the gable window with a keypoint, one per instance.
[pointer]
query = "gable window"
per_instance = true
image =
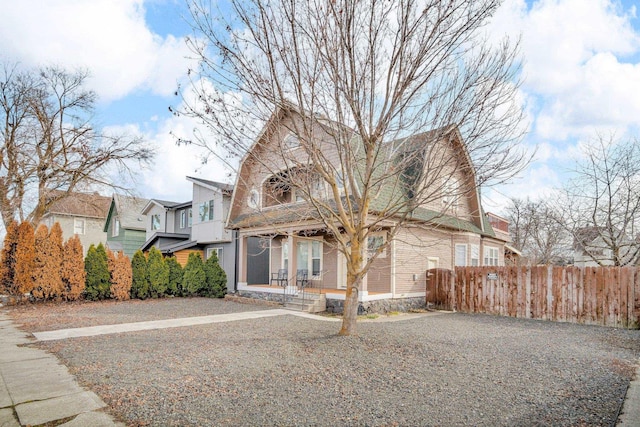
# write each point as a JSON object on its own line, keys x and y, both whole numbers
{"x": 78, "y": 226}
{"x": 186, "y": 217}
{"x": 461, "y": 255}
{"x": 475, "y": 255}
{"x": 291, "y": 142}
{"x": 205, "y": 211}
{"x": 373, "y": 244}
{"x": 254, "y": 199}
{"x": 155, "y": 222}
{"x": 309, "y": 257}
{"x": 490, "y": 255}
{"x": 115, "y": 227}
{"x": 217, "y": 251}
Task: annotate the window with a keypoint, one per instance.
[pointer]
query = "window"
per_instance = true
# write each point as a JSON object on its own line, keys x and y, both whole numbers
{"x": 186, "y": 217}
{"x": 206, "y": 211}
{"x": 78, "y": 226}
{"x": 155, "y": 222}
{"x": 254, "y": 199}
{"x": 475, "y": 255}
{"x": 115, "y": 228}
{"x": 309, "y": 256}
{"x": 461, "y": 256}
{"x": 291, "y": 142}
{"x": 285, "y": 255}
{"x": 217, "y": 251}
{"x": 450, "y": 189}
{"x": 490, "y": 255}
{"x": 373, "y": 243}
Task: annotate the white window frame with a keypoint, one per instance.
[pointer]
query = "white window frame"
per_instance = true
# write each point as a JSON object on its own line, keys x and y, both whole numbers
{"x": 371, "y": 248}
{"x": 455, "y": 255}
{"x": 253, "y": 201}
{"x": 475, "y": 250}
{"x": 186, "y": 217}
{"x": 205, "y": 211}
{"x": 115, "y": 227}
{"x": 79, "y": 222}
{"x": 284, "y": 261}
{"x": 219, "y": 252}
{"x": 291, "y": 142}
{"x": 155, "y": 225}
{"x": 309, "y": 244}
{"x": 490, "y": 260}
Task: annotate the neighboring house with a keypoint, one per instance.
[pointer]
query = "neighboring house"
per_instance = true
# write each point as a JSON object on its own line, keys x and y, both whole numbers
{"x": 168, "y": 224}
{"x": 125, "y": 225}
{"x": 82, "y": 214}
{"x": 197, "y": 226}
{"x": 279, "y": 231}
{"x": 591, "y": 248}
{"x": 500, "y": 225}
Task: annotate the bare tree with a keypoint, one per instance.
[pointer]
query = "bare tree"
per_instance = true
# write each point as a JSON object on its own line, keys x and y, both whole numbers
{"x": 382, "y": 91}
{"x": 602, "y": 202}
{"x": 49, "y": 145}
{"x": 537, "y": 232}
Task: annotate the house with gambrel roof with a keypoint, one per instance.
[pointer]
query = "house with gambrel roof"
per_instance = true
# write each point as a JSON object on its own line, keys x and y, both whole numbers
{"x": 279, "y": 232}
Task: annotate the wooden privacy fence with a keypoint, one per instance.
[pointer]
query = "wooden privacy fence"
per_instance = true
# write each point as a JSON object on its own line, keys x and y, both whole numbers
{"x": 607, "y": 296}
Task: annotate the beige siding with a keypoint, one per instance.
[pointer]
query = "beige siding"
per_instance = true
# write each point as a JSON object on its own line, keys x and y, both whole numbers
{"x": 329, "y": 264}
{"x": 379, "y": 274}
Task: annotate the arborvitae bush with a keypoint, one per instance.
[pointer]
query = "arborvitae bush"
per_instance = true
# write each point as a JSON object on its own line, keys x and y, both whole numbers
{"x": 25, "y": 253}
{"x": 8, "y": 270}
{"x": 140, "y": 282}
{"x": 157, "y": 273}
{"x": 175, "y": 276}
{"x": 97, "y": 269}
{"x": 47, "y": 263}
{"x": 216, "y": 285}
{"x": 120, "y": 272}
{"x": 194, "y": 277}
{"x": 72, "y": 272}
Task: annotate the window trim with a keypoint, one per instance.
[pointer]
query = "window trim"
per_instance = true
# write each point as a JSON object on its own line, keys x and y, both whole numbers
{"x": 75, "y": 226}
{"x": 219, "y": 252}
{"x": 371, "y": 250}
{"x": 115, "y": 227}
{"x": 158, "y": 225}
{"x": 471, "y": 259}
{"x": 288, "y": 145}
{"x": 209, "y": 212}
{"x": 486, "y": 252}
{"x": 455, "y": 255}
{"x": 310, "y": 257}
{"x": 186, "y": 217}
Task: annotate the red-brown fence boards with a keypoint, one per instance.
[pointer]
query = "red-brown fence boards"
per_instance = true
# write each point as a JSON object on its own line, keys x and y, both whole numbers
{"x": 607, "y": 296}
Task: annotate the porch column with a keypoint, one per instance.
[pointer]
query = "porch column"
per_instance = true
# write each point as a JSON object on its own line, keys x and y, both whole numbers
{"x": 242, "y": 259}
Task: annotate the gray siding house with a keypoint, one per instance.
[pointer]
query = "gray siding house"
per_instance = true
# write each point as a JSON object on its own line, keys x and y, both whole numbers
{"x": 125, "y": 224}
{"x": 168, "y": 224}
{"x": 81, "y": 214}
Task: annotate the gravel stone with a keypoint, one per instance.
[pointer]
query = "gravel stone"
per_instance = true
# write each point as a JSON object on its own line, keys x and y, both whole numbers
{"x": 452, "y": 369}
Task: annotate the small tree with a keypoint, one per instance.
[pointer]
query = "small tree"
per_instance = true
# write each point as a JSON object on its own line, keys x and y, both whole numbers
{"x": 97, "y": 269}
{"x": 194, "y": 276}
{"x": 120, "y": 273}
{"x": 8, "y": 270}
{"x": 157, "y": 273}
{"x": 47, "y": 263}
{"x": 175, "y": 276}
{"x": 216, "y": 285}
{"x": 140, "y": 282}
{"x": 25, "y": 253}
{"x": 73, "y": 272}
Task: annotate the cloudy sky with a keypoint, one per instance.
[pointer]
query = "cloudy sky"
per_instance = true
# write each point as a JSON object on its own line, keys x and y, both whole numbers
{"x": 581, "y": 76}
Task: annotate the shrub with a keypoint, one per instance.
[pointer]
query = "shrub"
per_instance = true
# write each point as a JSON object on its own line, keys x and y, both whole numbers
{"x": 175, "y": 276}
{"x": 194, "y": 277}
{"x": 25, "y": 253}
{"x": 216, "y": 284}
{"x": 73, "y": 272}
{"x": 140, "y": 283}
{"x": 157, "y": 273}
{"x": 97, "y": 269}
{"x": 47, "y": 263}
{"x": 8, "y": 269}
{"x": 120, "y": 273}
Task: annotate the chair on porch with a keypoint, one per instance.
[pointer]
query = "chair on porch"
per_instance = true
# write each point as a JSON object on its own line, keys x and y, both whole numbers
{"x": 280, "y": 277}
{"x": 302, "y": 278}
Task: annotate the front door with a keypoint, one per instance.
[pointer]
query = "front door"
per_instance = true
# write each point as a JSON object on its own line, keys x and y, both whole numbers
{"x": 257, "y": 261}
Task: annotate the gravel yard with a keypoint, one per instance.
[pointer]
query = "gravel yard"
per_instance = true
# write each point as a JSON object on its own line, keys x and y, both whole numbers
{"x": 450, "y": 369}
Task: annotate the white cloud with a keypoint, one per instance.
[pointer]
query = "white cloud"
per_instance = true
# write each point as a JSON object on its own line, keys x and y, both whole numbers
{"x": 109, "y": 37}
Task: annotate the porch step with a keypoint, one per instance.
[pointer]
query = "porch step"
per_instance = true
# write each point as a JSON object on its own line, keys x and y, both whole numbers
{"x": 313, "y": 303}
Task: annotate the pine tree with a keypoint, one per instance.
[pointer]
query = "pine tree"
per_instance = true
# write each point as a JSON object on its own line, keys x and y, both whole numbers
{"x": 120, "y": 273}
{"x": 25, "y": 253}
{"x": 175, "y": 276}
{"x": 216, "y": 286}
{"x": 140, "y": 283}
{"x": 157, "y": 273}
{"x": 97, "y": 269}
{"x": 194, "y": 277}
{"x": 73, "y": 272}
{"x": 8, "y": 270}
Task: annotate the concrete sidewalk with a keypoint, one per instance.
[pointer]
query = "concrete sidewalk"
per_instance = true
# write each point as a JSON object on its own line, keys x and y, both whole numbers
{"x": 35, "y": 388}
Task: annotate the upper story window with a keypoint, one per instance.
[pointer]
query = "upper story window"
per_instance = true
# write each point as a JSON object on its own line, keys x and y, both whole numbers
{"x": 254, "y": 199}
{"x": 155, "y": 222}
{"x": 475, "y": 255}
{"x": 205, "y": 211}
{"x": 115, "y": 227}
{"x": 490, "y": 255}
{"x": 291, "y": 141}
{"x": 186, "y": 217}
{"x": 78, "y": 226}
